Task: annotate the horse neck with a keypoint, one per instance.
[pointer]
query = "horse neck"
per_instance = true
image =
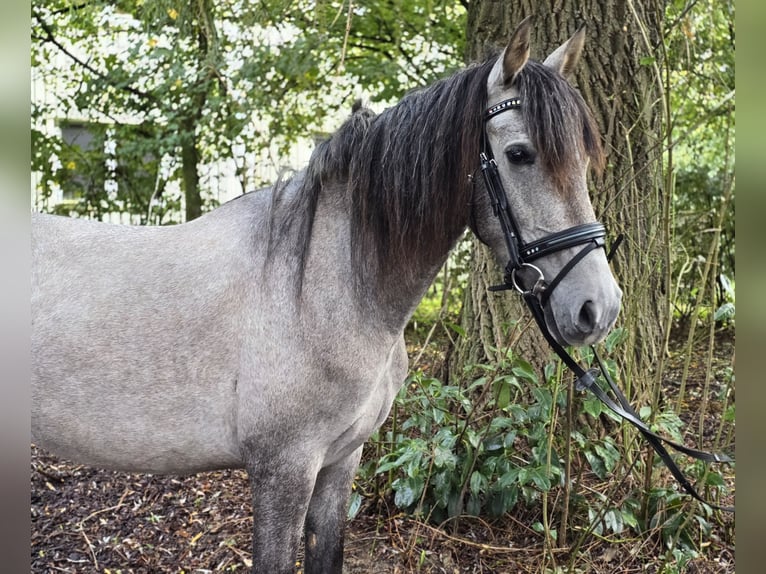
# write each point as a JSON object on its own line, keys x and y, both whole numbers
{"x": 386, "y": 297}
{"x": 398, "y": 294}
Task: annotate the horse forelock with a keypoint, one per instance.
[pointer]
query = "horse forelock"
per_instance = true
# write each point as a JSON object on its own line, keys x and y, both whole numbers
{"x": 559, "y": 123}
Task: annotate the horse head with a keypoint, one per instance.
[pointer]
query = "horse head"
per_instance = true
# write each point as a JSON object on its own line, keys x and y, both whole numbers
{"x": 540, "y": 139}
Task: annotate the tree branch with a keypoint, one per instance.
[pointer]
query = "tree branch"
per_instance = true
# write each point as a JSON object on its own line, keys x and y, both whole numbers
{"x": 50, "y": 38}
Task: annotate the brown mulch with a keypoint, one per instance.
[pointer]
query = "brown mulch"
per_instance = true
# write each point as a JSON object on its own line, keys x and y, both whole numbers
{"x": 92, "y": 521}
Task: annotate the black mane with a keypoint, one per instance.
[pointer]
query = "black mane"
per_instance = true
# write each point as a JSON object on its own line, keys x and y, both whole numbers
{"x": 406, "y": 170}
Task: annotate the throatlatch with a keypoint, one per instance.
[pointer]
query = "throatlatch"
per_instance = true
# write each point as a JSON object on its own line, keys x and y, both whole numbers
{"x": 537, "y": 292}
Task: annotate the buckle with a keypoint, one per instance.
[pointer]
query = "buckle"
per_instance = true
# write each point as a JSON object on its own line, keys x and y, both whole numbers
{"x": 539, "y": 284}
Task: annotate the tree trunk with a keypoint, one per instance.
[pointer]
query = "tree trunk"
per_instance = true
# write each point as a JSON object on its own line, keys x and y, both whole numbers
{"x": 624, "y": 96}
{"x": 207, "y": 43}
{"x": 189, "y": 162}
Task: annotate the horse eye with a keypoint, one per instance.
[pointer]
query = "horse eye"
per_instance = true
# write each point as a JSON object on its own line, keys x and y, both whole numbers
{"x": 519, "y": 155}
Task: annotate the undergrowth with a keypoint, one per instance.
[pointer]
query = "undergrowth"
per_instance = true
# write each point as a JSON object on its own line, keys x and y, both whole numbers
{"x": 505, "y": 441}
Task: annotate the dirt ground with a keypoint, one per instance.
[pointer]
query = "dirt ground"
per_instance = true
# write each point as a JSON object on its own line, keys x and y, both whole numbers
{"x": 91, "y": 521}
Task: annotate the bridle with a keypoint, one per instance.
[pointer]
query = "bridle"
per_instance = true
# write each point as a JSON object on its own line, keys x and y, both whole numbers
{"x": 521, "y": 256}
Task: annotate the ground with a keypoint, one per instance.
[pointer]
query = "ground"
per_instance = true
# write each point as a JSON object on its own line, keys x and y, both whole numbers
{"x": 87, "y": 521}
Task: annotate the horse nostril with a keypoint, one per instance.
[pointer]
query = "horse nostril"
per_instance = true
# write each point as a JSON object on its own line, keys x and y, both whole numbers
{"x": 586, "y": 320}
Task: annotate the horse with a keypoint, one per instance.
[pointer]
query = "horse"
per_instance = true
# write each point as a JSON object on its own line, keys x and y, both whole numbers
{"x": 268, "y": 333}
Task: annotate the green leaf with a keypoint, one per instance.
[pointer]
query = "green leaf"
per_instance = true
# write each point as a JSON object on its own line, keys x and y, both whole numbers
{"x": 524, "y": 370}
{"x": 725, "y": 312}
{"x": 386, "y": 466}
{"x": 478, "y": 482}
{"x": 629, "y": 518}
{"x": 504, "y": 396}
{"x": 473, "y": 506}
{"x": 473, "y": 437}
{"x": 592, "y": 406}
{"x": 355, "y": 503}
{"x": 609, "y": 454}
{"x": 540, "y": 478}
{"x": 408, "y": 491}
{"x": 494, "y": 443}
{"x": 596, "y": 464}
{"x": 613, "y": 520}
{"x": 645, "y": 412}
{"x": 442, "y": 487}
{"x": 454, "y": 503}
{"x": 509, "y": 478}
{"x": 444, "y": 457}
{"x": 457, "y": 328}
{"x": 726, "y": 285}
{"x": 614, "y": 338}
{"x": 714, "y": 479}
{"x": 480, "y": 382}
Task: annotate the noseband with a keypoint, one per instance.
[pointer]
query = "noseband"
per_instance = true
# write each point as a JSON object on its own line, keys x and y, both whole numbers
{"x": 536, "y": 295}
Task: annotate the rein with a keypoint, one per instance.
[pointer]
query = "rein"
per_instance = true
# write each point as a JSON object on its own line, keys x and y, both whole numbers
{"x": 591, "y": 236}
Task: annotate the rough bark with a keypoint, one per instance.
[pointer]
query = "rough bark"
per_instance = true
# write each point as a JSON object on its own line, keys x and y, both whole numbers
{"x": 624, "y": 96}
{"x": 189, "y": 163}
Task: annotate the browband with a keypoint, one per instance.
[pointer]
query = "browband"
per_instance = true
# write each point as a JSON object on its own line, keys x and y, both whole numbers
{"x": 500, "y": 107}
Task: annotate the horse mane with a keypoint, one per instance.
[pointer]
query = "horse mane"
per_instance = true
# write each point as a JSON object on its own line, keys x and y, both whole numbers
{"x": 405, "y": 171}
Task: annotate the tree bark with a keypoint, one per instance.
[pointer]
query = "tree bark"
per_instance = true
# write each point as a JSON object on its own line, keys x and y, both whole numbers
{"x": 625, "y": 96}
{"x": 207, "y": 43}
{"x": 190, "y": 173}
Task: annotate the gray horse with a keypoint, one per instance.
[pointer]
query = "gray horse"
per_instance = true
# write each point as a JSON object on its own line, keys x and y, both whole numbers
{"x": 267, "y": 334}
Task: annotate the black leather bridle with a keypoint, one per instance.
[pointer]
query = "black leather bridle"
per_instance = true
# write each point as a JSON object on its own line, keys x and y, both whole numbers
{"x": 520, "y": 258}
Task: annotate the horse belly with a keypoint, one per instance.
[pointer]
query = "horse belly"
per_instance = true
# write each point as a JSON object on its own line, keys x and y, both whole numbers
{"x": 156, "y": 431}
{"x": 118, "y": 393}
{"x": 121, "y": 393}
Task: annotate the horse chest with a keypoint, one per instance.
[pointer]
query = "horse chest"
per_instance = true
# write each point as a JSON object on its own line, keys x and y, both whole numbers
{"x": 377, "y": 391}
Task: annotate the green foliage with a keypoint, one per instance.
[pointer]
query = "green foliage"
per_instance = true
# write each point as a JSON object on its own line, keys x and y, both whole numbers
{"x": 496, "y": 444}
{"x": 700, "y": 47}
{"x": 616, "y": 520}
{"x": 470, "y": 449}
{"x": 444, "y": 299}
{"x": 237, "y": 80}
{"x": 677, "y": 526}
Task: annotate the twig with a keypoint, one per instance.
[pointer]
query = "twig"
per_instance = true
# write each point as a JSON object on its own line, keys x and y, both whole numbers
{"x": 96, "y": 513}
{"x": 341, "y": 64}
{"x": 90, "y": 547}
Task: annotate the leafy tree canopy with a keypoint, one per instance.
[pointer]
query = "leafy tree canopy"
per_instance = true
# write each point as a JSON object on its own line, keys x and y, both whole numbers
{"x": 231, "y": 79}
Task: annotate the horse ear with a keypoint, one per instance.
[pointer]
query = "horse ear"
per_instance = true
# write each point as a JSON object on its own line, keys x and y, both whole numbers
{"x": 564, "y": 59}
{"x": 515, "y": 55}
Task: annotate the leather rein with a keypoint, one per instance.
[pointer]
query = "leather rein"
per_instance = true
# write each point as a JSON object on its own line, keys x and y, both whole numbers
{"x": 521, "y": 255}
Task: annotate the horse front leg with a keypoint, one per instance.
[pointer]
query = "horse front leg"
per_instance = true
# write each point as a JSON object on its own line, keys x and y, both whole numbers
{"x": 281, "y": 494}
{"x": 326, "y": 518}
